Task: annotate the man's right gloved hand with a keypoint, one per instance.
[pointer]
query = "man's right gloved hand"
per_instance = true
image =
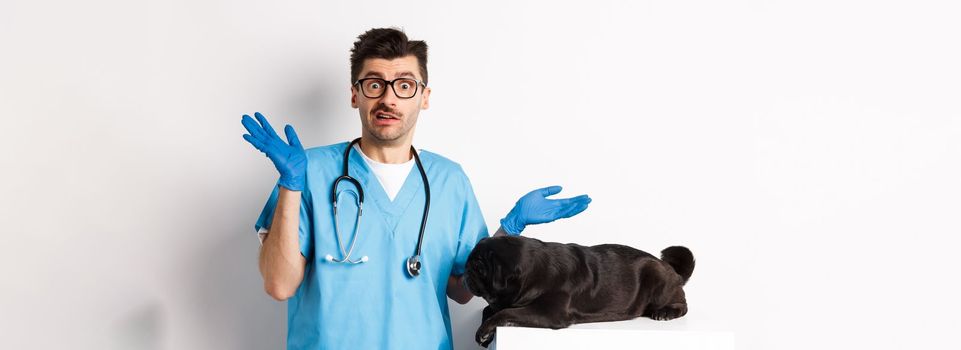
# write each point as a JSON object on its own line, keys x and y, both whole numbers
{"x": 289, "y": 159}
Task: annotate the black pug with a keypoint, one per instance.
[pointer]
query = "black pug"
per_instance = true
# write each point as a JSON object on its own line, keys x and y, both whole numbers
{"x": 531, "y": 283}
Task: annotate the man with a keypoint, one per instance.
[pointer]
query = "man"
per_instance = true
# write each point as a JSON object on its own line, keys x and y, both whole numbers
{"x": 312, "y": 257}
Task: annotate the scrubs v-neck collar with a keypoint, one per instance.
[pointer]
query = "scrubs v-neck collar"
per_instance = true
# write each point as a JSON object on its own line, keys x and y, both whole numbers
{"x": 374, "y": 192}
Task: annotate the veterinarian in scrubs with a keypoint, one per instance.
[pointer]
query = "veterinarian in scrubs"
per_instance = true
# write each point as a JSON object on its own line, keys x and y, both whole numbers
{"x": 376, "y": 304}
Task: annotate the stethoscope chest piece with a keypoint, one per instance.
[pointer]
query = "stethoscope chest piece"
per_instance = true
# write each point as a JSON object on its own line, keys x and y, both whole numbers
{"x": 413, "y": 266}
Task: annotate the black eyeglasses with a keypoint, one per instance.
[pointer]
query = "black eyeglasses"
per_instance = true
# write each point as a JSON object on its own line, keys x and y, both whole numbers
{"x": 376, "y": 87}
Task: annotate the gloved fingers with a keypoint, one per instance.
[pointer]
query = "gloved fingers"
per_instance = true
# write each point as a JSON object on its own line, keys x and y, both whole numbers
{"x": 267, "y": 128}
{"x": 255, "y": 142}
{"x": 571, "y": 206}
{"x": 566, "y": 202}
{"x": 292, "y": 137}
{"x": 574, "y": 209}
{"x": 548, "y": 191}
{"x": 253, "y": 128}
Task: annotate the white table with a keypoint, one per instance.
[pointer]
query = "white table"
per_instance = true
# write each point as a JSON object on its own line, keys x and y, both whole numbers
{"x": 640, "y": 333}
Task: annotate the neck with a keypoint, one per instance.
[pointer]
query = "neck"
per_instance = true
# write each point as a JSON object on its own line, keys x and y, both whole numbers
{"x": 393, "y": 153}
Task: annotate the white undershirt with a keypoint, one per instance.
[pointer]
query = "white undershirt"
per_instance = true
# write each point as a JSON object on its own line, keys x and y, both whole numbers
{"x": 391, "y": 176}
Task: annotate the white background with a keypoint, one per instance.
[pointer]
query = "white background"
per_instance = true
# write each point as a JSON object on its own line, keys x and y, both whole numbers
{"x": 807, "y": 152}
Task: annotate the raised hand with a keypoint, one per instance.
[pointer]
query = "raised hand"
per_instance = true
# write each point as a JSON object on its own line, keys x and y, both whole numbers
{"x": 535, "y": 208}
{"x": 289, "y": 157}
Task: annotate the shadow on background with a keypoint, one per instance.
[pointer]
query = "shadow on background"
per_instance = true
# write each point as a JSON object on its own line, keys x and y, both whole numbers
{"x": 230, "y": 296}
{"x": 226, "y": 281}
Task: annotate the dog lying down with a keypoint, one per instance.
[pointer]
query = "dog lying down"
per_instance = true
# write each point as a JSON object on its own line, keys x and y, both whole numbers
{"x": 530, "y": 283}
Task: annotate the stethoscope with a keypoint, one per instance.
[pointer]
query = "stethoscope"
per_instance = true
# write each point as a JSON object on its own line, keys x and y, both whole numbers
{"x": 413, "y": 263}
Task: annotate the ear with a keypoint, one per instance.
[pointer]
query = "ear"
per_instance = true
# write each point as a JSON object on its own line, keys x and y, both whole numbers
{"x": 426, "y": 101}
{"x": 353, "y": 97}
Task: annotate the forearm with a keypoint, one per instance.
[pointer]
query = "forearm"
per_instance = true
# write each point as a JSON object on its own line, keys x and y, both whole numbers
{"x": 500, "y": 232}
{"x": 457, "y": 290}
{"x": 281, "y": 264}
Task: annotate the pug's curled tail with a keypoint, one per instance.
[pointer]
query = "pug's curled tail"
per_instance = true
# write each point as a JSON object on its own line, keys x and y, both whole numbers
{"x": 681, "y": 259}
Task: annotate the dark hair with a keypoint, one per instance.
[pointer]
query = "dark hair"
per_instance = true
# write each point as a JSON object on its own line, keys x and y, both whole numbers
{"x": 386, "y": 43}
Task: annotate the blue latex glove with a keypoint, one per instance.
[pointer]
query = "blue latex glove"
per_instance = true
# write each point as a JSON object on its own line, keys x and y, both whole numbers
{"x": 534, "y": 208}
{"x": 289, "y": 159}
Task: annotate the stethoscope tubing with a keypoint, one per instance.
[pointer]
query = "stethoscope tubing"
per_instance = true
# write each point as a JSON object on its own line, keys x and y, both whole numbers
{"x": 413, "y": 263}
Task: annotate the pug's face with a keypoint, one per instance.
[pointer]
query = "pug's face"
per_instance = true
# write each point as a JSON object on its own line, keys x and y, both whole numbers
{"x": 494, "y": 270}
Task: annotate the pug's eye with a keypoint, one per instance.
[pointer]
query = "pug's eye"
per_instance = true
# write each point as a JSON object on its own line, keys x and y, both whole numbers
{"x": 476, "y": 266}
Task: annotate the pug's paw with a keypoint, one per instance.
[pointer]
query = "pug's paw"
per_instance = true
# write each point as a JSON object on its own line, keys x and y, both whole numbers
{"x": 484, "y": 338}
{"x": 669, "y": 312}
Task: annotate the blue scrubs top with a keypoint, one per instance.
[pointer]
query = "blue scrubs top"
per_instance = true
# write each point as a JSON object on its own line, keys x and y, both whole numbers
{"x": 375, "y": 305}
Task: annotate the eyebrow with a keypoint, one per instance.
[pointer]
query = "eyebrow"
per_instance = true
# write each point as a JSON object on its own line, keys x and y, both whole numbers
{"x": 379, "y": 75}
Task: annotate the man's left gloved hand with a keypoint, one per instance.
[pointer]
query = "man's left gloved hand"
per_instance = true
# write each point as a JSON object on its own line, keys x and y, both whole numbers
{"x": 535, "y": 208}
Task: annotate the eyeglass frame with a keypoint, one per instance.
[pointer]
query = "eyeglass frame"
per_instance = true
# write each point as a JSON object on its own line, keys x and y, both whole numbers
{"x": 389, "y": 83}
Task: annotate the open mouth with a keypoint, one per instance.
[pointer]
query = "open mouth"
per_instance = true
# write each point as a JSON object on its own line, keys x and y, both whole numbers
{"x": 385, "y": 116}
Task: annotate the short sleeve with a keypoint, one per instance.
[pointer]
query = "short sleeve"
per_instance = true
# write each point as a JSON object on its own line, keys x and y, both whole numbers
{"x": 472, "y": 229}
{"x": 267, "y": 215}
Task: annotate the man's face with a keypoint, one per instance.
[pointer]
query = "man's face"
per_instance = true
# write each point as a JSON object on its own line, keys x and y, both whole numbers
{"x": 401, "y": 113}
